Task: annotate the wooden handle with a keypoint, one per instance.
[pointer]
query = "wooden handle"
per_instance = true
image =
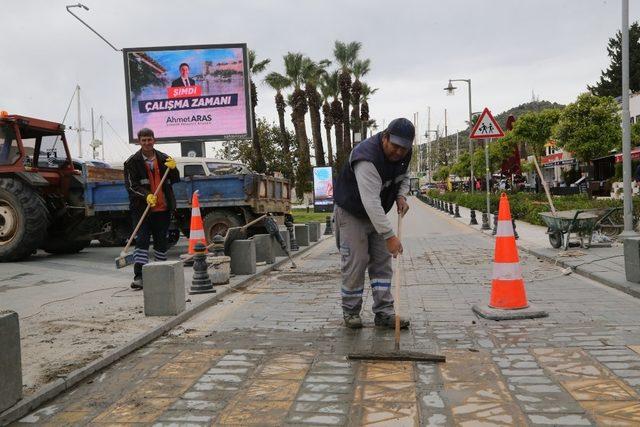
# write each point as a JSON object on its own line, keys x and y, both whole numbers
{"x": 144, "y": 214}
{"x": 396, "y": 284}
{"x": 544, "y": 185}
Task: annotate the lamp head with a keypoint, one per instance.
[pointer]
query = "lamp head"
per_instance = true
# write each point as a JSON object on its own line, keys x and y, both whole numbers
{"x": 450, "y": 88}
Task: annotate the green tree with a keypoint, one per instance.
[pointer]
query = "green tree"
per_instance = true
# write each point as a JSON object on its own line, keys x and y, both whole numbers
{"x": 590, "y": 127}
{"x": 313, "y": 72}
{"x": 294, "y": 64}
{"x": 360, "y": 68}
{"x": 535, "y": 129}
{"x": 442, "y": 173}
{"x": 270, "y": 139}
{"x": 462, "y": 167}
{"x": 346, "y": 55}
{"x": 278, "y": 82}
{"x": 610, "y": 83}
{"x": 365, "y": 120}
{"x": 328, "y": 90}
{"x": 255, "y": 68}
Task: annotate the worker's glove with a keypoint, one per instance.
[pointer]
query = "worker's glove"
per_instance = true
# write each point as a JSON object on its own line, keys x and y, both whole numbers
{"x": 152, "y": 200}
{"x": 170, "y": 163}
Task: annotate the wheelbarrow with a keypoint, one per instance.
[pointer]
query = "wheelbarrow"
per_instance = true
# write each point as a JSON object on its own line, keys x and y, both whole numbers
{"x": 563, "y": 224}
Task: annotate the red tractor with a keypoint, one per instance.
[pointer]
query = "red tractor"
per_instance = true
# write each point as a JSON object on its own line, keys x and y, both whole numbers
{"x": 41, "y": 191}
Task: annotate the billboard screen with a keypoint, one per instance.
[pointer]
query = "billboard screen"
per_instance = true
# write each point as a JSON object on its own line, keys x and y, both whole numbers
{"x": 188, "y": 92}
{"x": 323, "y": 186}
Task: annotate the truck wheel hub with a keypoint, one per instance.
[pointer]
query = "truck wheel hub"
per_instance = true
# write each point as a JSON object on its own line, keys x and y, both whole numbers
{"x": 8, "y": 223}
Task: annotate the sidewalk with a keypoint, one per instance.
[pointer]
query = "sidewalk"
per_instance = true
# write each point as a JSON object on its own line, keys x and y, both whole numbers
{"x": 274, "y": 352}
{"x": 604, "y": 265}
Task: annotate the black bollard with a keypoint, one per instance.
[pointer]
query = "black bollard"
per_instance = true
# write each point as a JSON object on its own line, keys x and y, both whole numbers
{"x": 515, "y": 233}
{"x": 473, "y": 221}
{"x": 495, "y": 224}
{"x": 450, "y": 208}
{"x": 201, "y": 283}
{"x": 328, "y": 231}
{"x": 293, "y": 244}
{"x": 218, "y": 245}
{"x": 456, "y": 214}
{"x": 485, "y": 222}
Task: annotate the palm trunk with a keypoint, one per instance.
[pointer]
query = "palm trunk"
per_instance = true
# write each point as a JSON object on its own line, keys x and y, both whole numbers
{"x": 345, "y": 91}
{"x": 336, "y": 114}
{"x": 303, "y": 173}
{"x": 260, "y": 166}
{"x": 356, "y": 88}
{"x": 314, "y": 114}
{"x": 329, "y": 148}
{"x": 286, "y": 149}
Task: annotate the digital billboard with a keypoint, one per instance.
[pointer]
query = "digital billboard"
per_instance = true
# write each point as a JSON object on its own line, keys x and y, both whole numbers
{"x": 188, "y": 92}
{"x": 323, "y": 189}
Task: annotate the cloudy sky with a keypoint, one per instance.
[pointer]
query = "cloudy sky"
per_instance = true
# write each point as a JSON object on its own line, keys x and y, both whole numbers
{"x": 508, "y": 48}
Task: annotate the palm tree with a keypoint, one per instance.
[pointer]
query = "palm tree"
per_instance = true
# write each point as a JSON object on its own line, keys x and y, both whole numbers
{"x": 294, "y": 64}
{"x": 360, "y": 68}
{"x": 346, "y": 55}
{"x": 332, "y": 81}
{"x": 365, "y": 94}
{"x": 254, "y": 69}
{"x": 328, "y": 89}
{"x": 278, "y": 82}
{"x": 312, "y": 73}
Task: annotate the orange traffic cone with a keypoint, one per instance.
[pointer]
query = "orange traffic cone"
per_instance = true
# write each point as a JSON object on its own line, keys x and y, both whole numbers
{"x": 196, "y": 230}
{"x": 507, "y": 285}
{"x": 508, "y": 298}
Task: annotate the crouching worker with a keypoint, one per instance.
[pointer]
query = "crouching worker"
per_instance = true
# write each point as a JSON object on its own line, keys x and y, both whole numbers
{"x": 143, "y": 172}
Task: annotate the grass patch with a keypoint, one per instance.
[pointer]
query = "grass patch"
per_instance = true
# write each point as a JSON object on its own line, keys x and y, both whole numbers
{"x": 301, "y": 216}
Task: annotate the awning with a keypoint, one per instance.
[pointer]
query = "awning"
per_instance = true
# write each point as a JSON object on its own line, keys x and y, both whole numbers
{"x": 635, "y": 155}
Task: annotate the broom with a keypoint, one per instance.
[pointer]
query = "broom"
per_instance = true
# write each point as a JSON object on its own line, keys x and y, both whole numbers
{"x": 127, "y": 259}
{"x": 397, "y": 355}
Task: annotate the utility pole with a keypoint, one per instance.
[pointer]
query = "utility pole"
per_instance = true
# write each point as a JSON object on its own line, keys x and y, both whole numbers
{"x": 93, "y": 135}
{"x": 446, "y": 136}
{"x": 102, "y": 135}
{"x": 79, "y": 123}
{"x": 626, "y": 130}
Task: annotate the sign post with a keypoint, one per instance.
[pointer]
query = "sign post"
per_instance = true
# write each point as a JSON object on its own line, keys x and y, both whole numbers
{"x": 486, "y": 128}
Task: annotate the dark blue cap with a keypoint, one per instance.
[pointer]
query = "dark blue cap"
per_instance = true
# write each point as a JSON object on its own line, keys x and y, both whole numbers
{"x": 401, "y": 132}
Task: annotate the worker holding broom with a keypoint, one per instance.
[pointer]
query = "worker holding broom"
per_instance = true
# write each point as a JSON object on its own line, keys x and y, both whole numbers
{"x": 374, "y": 178}
{"x": 142, "y": 177}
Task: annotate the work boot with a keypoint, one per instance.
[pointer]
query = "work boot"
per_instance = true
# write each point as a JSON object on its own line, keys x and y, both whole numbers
{"x": 352, "y": 321}
{"x": 137, "y": 283}
{"x": 389, "y": 321}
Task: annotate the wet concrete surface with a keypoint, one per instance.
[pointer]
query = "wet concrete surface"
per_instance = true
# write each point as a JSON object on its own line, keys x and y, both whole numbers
{"x": 274, "y": 353}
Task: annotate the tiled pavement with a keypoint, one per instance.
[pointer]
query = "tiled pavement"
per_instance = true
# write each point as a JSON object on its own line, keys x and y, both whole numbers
{"x": 274, "y": 353}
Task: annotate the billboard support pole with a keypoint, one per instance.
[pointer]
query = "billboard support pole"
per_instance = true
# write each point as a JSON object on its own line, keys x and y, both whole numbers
{"x": 192, "y": 149}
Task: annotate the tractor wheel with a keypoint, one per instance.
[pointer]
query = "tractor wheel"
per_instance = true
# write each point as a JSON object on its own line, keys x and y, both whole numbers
{"x": 23, "y": 220}
{"x": 218, "y": 222}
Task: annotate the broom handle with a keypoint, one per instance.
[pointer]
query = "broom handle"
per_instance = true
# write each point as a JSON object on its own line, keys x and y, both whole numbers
{"x": 144, "y": 214}
{"x": 396, "y": 279}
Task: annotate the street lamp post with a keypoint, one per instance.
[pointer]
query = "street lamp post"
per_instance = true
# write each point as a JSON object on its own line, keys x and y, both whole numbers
{"x": 451, "y": 90}
{"x": 80, "y": 5}
{"x": 626, "y": 131}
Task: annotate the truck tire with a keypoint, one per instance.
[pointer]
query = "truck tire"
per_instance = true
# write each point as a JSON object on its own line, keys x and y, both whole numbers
{"x": 59, "y": 245}
{"x": 114, "y": 234}
{"x": 23, "y": 220}
{"x": 218, "y": 222}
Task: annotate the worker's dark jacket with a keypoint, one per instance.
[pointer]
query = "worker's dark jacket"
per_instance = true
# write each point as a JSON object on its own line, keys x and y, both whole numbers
{"x": 137, "y": 182}
{"x": 346, "y": 193}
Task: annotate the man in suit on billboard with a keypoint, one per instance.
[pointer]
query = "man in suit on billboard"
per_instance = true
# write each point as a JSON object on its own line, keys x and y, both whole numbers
{"x": 184, "y": 79}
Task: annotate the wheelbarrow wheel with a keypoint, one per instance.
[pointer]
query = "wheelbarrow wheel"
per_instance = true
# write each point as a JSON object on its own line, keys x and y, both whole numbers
{"x": 555, "y": 239}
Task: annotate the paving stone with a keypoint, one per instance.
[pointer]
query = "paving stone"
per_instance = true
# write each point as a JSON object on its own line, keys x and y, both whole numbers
{"x": 559, "y": 419}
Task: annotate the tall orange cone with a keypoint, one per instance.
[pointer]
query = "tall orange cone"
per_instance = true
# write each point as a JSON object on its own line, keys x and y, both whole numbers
{"x": 508, "y": 298}
{"x": 196, "y": 230}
